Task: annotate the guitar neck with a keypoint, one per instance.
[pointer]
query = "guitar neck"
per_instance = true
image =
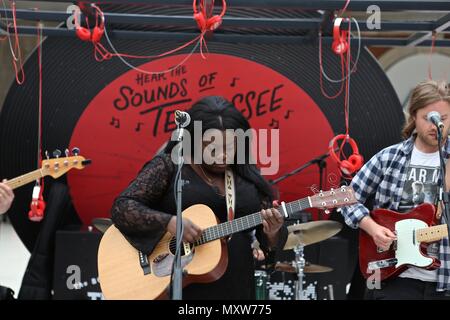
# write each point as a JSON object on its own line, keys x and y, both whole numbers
{"x": 432, "y": 234}
{"x": 247, "y": 222}
{"x": 24, "y": 179}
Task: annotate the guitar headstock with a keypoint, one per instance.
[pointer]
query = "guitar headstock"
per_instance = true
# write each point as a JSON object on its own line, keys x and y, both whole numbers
{"x": 333, "y": 198}
{"x": 57, "y": 166}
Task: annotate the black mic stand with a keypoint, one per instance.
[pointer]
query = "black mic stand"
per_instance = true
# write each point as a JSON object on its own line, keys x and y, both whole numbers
{"x": 177, "y": 280}
{"x": 320, "y": 160}
{"x": 443, "y": 194}
{"x": 322, "y": 165}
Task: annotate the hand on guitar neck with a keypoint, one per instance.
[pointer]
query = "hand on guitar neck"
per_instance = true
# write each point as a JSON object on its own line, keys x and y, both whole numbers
{"x": 272, "y": 223}
{"x": 273, "y": 220}
{"x": 382, "y": 236}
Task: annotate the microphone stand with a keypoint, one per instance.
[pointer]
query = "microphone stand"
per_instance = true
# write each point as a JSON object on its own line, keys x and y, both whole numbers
{"x": 177, "y": 280}
{"x": 320, "y": 160}
{"x": 322, "y": 165}
{"x": 443, "y": 194}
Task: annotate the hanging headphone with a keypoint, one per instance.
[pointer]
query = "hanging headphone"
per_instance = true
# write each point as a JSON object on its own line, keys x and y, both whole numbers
{"x": 354, "y": 162}
{"x": 340, "y": 44}
{"x": 208, "y": 24}
{"x": 97, "y": 33}
{"x": 37, "y": 206}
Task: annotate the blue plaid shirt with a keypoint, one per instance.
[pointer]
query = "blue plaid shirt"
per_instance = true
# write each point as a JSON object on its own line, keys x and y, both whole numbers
{"x": 385, "y": 175}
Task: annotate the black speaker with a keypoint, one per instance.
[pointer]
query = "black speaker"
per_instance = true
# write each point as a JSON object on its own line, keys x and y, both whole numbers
{"x": 75, "y": 270}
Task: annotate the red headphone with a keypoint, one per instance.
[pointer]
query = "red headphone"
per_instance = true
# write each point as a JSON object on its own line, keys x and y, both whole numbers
{"x": 208, "y": 24}
{"x": 96, "y": 34}
{"x": 354, "y": 162}
{"x": 340, "y": 44}
{"x": 37, "y": 206}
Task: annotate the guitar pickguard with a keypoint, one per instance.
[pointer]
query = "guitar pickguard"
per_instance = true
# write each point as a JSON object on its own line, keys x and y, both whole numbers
{"x": 162, "y": 264}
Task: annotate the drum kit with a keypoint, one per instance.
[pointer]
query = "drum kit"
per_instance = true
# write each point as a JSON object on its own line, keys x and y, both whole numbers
{"x": 300, "y": 235}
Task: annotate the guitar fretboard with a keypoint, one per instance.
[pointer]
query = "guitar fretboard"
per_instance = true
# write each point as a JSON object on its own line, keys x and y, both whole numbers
{"x": 247, "y": 222}
{"x": 432, "y": 234}
{"x": 24, "y": 179}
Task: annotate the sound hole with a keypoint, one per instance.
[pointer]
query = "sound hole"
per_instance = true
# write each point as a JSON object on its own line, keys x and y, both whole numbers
{"x": 186, "y": 248}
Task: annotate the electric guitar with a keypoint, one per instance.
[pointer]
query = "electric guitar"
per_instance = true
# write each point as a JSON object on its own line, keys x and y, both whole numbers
{"x": 50, "y": 167}
{"x": 414, "y": 231}
{"x": 125, "y": 273}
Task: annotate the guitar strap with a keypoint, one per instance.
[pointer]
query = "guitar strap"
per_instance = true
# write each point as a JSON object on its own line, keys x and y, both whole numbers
{"x": 230, "y": 195}
{"x": 440, "y": 204}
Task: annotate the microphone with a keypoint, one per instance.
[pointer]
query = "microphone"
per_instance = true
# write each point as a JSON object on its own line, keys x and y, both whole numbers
{"x": 435, "y": 118}
{"x": 182, "y": 118}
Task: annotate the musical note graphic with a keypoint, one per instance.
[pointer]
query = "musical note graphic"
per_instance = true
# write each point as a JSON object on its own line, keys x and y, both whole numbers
{"x": 115, "y": 122}
{"x": 274, "y": 124}
{"x": 138, "y": 126}
{"x": 233, "y": 83}
{"x": 286, "y": 116}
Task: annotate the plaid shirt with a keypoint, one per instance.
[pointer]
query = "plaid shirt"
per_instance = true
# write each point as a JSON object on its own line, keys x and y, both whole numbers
{"x": 385, "y": 175}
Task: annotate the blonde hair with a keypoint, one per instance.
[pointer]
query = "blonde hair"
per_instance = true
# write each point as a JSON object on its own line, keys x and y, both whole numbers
{"x": 425, "y": 93}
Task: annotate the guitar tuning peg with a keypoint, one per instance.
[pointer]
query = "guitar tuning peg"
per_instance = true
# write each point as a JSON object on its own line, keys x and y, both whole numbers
{"x": 327, "y": 211}
{"x": 76, "y": 151}
{"x": 57, "y": 153}
{"x": 47, "y": 155}
{"x": 67, "y": 152}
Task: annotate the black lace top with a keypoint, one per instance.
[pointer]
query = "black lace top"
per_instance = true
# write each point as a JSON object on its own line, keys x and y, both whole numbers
{"x": 144, "y": 209}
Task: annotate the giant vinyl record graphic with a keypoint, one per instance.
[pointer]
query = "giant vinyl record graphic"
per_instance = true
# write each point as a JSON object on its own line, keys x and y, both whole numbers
{"x": 119, "y": 117}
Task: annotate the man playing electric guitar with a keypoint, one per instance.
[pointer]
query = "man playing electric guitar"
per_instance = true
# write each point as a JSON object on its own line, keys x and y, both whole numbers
{"x": 401, "y": 177}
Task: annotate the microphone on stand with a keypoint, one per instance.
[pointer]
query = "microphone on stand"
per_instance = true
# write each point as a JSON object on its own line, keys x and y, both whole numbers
{"x": 435, "y": 118}
{"x": 182, "y": 118}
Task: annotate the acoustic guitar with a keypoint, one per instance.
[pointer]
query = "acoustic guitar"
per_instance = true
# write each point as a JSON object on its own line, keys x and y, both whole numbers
{"x": 125, "y": 273}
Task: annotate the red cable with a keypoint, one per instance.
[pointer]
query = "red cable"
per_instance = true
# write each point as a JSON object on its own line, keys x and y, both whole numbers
{"x": 207, "y": 26}
{"x": 347, "y": 85}
{"x": 101, "y": 53}
{"x": 321, "y": 76}
{"x": 106, "y": 55}
{"x": 347, "y": 63}
{"x": 39, "y": 51}
{"x": 345, "y": 7}
{"x": 17, "y": 50}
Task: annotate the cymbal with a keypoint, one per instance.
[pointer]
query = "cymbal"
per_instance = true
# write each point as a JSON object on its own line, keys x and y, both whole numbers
{"x": 309, "y": 268}
{"x": 101, "y": 224}
{"x": 310, "y": 232}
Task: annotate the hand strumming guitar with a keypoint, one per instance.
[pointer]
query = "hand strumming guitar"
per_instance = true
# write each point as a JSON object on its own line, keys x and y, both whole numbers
{"x": 382, "y": 236}
{"x": 191, "y": 232}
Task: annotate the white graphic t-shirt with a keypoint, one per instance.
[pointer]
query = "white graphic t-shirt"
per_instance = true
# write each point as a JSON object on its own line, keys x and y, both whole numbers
{"x": 421, "y": 186}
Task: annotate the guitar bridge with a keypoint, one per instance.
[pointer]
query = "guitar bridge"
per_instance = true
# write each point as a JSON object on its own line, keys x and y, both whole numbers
{"x": 392, "y": 247}
{"x": 187, "y": 248}
{"x": 374, "y": 265}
